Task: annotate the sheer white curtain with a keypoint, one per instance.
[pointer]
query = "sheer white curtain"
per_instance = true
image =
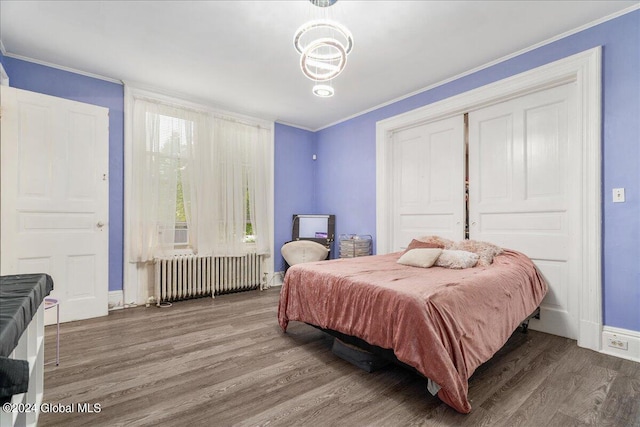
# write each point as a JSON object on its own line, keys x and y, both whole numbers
{"x": 240, "y": 186}
{"x": 223, "y": 166}
{"x": 164, "y": 150}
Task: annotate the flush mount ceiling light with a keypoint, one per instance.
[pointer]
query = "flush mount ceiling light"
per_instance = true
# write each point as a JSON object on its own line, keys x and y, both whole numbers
{"x": 323, "y": 45}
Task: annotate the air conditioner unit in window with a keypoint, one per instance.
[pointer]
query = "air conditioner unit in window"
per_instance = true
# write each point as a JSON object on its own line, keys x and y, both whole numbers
{"x": 174, "y": 236}
{"x": 181, "y": 236}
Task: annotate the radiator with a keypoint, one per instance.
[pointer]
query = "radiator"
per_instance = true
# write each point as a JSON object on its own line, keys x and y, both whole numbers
{"x": 190, "y": 276}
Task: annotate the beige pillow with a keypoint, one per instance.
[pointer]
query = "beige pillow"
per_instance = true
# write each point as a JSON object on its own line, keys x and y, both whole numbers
{"x": 420, "y": 257}
{"x": 486, "y": 251}
{"x": 457, "y": 259}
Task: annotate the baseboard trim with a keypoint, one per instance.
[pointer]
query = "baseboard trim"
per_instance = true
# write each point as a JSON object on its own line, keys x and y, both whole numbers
{"x": 278, "y": 278}
{"x": 116, "y": 300}
{"x": 632, "y": 338}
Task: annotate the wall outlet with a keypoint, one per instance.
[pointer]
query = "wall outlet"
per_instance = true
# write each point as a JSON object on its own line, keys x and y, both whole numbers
{"x": 616, "y": 342}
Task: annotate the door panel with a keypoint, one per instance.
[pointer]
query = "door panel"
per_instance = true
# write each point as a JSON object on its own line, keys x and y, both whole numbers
{"x": 524, "y": 194}
{"x": 428, "y": 182}
{"x": 494, "y": 149}
{"x": 54, "y": 158}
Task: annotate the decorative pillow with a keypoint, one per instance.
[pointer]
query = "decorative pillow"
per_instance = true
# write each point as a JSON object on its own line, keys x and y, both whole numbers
{"x": 456, "y": 259}
{"x": 420, "y": 257}
{"x": 486, "y": 251}
{"x": 437, "y": 240}
{"x": 416, "y": 244}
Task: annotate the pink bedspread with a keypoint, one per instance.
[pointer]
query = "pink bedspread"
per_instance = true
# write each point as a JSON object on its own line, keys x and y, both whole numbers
{"x": 443, "y": 322}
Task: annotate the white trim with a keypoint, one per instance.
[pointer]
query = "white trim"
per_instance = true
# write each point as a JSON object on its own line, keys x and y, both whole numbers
{"x": 377, "y": 107}
{"x": 116, "y": 300}
{"x": 63, "y": 68}
{"x": 130, "y": 270}
{"x": 632, "y": 338}
{"x": 296, "y": 126}
{"x": 278, "y": 278}
{"x": 585, "y": 70}
{"x": 269, "y": 262}
{"x": 4, "y": 77}
{"x": 136, "y": 284}
{"x": 482, "y": 67}
{"x": 140, "y": 90}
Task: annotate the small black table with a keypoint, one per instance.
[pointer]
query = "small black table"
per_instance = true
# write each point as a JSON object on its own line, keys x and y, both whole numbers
{"x": 20, "y": 298}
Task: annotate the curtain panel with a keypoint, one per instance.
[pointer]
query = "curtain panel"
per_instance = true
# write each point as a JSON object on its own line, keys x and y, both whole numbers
{"x": 217, "y": 168}
{"x": 239, "y": 185}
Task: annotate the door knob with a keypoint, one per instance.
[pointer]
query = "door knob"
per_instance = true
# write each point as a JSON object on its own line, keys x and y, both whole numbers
{"x": 100, "y": 224}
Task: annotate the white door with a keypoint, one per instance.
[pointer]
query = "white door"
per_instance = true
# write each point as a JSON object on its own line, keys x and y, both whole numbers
{"x": 525, "y": 192}
{"x": 428, "y": 182}
{"x": 54, "y": 197}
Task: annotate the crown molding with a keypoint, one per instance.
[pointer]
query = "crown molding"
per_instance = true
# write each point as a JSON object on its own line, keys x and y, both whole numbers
{"x": 63, "y": 68}
{"x": 487, "y": 65}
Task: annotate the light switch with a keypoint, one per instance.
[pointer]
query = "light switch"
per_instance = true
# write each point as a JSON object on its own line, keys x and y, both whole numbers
{"x": 618, "y": 195}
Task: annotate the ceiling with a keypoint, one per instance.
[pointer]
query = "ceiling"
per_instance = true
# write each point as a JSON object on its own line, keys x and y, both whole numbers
{"x": 239, "y": 56}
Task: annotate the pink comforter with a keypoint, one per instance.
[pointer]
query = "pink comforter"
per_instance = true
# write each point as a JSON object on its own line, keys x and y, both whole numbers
{"x": 443, "y": 322}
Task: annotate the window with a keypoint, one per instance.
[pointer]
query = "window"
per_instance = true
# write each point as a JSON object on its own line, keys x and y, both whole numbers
{"x": 199, "y": 182}
{"x": 171, "y": 155}
{"x": 249, "y": 237}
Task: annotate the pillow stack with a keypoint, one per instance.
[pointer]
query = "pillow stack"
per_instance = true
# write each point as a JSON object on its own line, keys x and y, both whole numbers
{"x": 428, "y": 251}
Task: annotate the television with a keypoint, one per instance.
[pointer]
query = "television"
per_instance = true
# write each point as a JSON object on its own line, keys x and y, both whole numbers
{"x": 319, "y": 228}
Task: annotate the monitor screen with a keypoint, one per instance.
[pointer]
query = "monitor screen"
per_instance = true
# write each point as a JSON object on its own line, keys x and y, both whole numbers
{"x": 313, "y": 227}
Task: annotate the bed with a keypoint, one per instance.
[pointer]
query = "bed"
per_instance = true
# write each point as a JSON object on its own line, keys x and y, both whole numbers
{"x": 442, "y": 322}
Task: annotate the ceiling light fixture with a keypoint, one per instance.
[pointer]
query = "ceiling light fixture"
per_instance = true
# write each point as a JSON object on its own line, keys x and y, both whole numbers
{"x": 322, "y": 70}
{"x": 323, "y": 28}
{"x": 323, "y": 91}
{"x": 323, "y": 45}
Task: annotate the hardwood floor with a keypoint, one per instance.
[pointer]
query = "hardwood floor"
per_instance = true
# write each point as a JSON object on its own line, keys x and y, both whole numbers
{"x": 226, "y": 362}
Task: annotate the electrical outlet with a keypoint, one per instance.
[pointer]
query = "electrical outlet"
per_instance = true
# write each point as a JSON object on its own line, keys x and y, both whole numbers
{"x": 616, "y": 342}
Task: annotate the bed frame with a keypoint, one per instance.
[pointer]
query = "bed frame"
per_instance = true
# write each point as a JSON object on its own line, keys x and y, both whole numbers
{"x": 386, "y": 354}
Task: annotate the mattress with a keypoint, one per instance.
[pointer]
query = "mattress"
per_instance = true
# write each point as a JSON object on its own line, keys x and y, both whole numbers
{"x": 442, "y": 322}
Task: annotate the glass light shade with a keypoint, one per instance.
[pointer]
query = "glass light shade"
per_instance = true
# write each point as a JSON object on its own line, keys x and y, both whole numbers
{"x": 323, "y": 3}
{"x": 322, "y": 29}
{"x": 322, "y": 70}
{"x": 323, "y": 91}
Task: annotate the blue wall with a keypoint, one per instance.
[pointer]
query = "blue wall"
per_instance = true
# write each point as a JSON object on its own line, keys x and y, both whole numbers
{"x": 294, "y": 182}
{"x": 342, "y": 179}
{"x": 346, "y": 182}
{"x": 63, "y": 84}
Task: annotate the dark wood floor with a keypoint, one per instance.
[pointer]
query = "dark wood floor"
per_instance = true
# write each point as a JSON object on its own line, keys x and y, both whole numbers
{"x": 226, "y": 362}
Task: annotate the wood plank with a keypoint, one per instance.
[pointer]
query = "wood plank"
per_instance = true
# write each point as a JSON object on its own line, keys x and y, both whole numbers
{"x": 225, "y": 361}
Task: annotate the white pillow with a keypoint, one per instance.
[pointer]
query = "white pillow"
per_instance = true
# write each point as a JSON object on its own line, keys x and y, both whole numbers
{"x": 457, "y": 259}
{"x": 420, "y": 257}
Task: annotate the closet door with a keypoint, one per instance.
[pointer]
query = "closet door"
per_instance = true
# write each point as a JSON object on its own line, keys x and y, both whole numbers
{"x": 428, "y": 182}
{"x": 525, "y": 192}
